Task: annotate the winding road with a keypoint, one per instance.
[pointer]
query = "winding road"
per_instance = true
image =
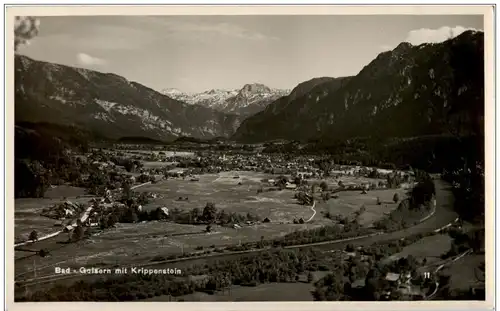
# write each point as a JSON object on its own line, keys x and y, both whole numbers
{"x": 441, "y": 216}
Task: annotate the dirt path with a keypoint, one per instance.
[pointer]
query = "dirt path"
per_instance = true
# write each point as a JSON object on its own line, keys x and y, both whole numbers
{"x": 137, "y": 186}
{"x": 314, "y": 212}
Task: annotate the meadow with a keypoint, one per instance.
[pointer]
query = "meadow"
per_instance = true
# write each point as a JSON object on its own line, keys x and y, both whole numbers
{"x": 234, "y": 191}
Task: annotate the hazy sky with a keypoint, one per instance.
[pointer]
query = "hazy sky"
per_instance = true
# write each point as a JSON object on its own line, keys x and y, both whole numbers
{"x": 199, "y": 53}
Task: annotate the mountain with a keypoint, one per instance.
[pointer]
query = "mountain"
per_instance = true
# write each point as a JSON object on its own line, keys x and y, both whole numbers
{"x": 410, "y": 91}
{"x": 109, "y": 104}
{"x": 248, "y": 100}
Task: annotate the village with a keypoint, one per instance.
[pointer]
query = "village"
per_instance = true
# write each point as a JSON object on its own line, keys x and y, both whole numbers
{"x": 214, "y": 202}
{"x": 302, "y": 175}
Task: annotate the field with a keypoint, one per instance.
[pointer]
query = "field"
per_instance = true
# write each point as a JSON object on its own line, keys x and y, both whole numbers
{"x": 299, "y": 291}
{"x": 430, "y": 248}
{"x": 139, "y": 243}
{"x": 223, "y": 190}
{"x": 463, "y": 272}
{"x": 350, "y": 201}
{"x": 27, "y": 211}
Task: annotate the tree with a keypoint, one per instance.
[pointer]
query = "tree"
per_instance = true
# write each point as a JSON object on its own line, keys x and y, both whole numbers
{"x": 209, "y": 228}
{"x": 43, "y": 252}
{"x": 25, "y": 28}
{"x": 32, "y": 179}
{"x": 77, "y": 234}
{"x": 195, "y": 214}
{"x": 33, "y": 235}
{"x": 209, "y": 213}
{"x": 224, "y": 217}
{"x": 324, "y": 186}
{"x": 395, "y": 198}
{"x": 281, "y": 182}
{"x": 310, "y": 277}
{"x": 303, "y": 198}
{"x": 112, "y": 220}
{"x": 131, "y": 216}
{"x": 314, "y": 188}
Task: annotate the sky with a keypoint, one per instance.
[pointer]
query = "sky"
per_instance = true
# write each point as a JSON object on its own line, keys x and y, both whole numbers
{"x": 200, "y": 53}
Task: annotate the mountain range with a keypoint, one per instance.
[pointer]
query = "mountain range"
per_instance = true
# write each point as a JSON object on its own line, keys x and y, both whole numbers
{"x": 248, "y": 100}
{"x": 409, "y": 91}
{"x": 109, "y": 104}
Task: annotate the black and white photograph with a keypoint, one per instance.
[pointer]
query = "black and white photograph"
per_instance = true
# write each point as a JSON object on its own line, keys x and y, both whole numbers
{"x": 182, "y": 157}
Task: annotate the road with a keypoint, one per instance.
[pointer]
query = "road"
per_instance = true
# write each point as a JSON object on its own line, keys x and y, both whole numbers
{"x": 440, "y": 217}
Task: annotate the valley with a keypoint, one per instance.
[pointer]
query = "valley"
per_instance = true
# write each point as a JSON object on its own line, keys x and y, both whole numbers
{"x": 358, "y": 187}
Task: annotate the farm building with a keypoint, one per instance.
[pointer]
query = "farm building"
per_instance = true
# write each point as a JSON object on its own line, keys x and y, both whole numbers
{"x": 177, "y": 172}
{"x": 69, "y": 228}
{"x": 392, "y": 277}
{"x": 165, "y": 211}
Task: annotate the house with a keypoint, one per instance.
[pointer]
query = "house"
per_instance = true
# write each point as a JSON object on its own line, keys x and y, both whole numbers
{"x": 165, "y": 211}
{"x": 68, "y": 212}
{"x": 348, "y": 255}
{"x": 68, "y": 228}
{"x": 393, "y": 277}
{"x": 176, "y": 172}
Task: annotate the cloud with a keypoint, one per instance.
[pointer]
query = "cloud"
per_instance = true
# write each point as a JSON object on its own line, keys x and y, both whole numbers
{"x": 189, "y": 30}
{"x": 87, "y": 60}
{"x": 426, "y": 35}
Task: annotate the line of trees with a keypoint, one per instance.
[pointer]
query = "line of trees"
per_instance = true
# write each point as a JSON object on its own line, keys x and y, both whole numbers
{"x": 248, "y": 270}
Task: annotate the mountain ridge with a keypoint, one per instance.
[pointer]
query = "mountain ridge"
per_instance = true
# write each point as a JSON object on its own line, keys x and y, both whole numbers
{"x": 409, "y": 91}
{"x": 48, "y": 92}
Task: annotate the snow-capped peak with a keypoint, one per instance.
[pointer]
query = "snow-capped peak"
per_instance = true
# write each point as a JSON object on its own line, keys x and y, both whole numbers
{"x": 251, "y": 98}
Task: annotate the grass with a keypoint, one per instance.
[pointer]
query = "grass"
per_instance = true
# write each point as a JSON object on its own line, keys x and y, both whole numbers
{"x": 431, "y": 248}
{"x": 299, "y": 291}
{"x": 462, "y": 271}
{"x": 27, "y": 211}
{"x": 265, "y": 292}
{"x": 134, "y": 243}
{"x": 223, "y": 190}
{"x": 350, "y": 201}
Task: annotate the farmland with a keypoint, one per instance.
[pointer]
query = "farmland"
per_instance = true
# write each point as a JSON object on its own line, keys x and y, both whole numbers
{"x": 231, "y": 191}
{"x": 133, "y": 243}
{"x": 264, "y": 208}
